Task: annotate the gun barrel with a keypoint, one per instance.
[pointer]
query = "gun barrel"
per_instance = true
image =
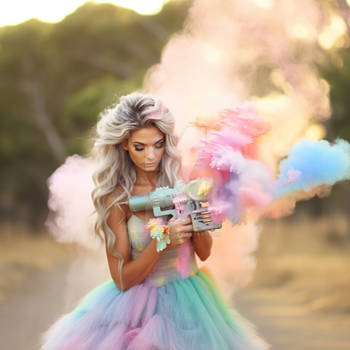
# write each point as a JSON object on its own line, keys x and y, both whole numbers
{"x": 141, "y": 202}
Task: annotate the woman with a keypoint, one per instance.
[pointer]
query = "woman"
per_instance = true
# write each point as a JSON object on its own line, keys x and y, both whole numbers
{"x": 156, "y": 299}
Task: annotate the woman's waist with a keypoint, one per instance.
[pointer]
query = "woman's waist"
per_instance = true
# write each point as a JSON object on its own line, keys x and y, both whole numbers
{"x": 174, "y": 264}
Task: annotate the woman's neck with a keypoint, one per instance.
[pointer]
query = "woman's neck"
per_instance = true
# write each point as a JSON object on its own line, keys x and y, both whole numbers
{"x": 146, "y": 178}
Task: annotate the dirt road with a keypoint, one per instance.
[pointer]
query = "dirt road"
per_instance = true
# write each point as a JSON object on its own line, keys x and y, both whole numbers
{"x": 29, "y": 310}
{"x": 287, "y": 324}
{"x": 281, "y": 319}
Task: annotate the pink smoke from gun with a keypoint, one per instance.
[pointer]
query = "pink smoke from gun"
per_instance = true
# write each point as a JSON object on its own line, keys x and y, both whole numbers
{"x": 234, "y": 51}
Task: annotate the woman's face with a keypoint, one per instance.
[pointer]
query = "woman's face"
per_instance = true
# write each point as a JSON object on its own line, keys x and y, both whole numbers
{"x": 145, "y": 147}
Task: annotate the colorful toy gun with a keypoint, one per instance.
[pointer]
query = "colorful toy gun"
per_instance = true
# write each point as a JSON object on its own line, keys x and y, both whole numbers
{"x": 182, "y": 201}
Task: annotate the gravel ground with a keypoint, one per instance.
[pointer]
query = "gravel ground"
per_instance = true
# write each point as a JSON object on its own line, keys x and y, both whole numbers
{"x": 298, "y": 300}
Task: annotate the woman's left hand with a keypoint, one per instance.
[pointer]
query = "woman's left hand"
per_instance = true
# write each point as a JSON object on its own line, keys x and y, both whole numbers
{"x": 180, "y": 231}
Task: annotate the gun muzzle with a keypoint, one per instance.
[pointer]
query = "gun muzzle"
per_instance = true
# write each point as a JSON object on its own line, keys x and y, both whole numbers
{"x": 141, "y": 202}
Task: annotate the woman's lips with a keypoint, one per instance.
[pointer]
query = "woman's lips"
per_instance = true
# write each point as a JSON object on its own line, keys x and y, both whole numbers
{"x": 150, "y": 164}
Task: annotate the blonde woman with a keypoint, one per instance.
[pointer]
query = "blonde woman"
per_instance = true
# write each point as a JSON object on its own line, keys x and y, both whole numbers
{"x": 156, "y": 298}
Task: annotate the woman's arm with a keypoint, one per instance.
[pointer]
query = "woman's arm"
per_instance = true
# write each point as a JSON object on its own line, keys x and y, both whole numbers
{"x": 133, "y": 271}
{"x": 202, "y": 242}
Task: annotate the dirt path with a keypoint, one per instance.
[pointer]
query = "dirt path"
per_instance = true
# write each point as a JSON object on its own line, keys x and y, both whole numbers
{"x": 43, "y": 297}
{"x": 280, "y": 318}
{"x": 29, "y": 310}
{"x": 287, "y": 324}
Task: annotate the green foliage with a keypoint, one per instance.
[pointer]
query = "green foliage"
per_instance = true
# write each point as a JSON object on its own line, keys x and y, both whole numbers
{"x": 56, "y": 79}
{"x": 337, "y": 74}
{"x": 338, "y": 78}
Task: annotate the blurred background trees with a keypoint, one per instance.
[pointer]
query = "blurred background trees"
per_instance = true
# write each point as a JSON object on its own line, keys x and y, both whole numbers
{"x": 56, "y": 78}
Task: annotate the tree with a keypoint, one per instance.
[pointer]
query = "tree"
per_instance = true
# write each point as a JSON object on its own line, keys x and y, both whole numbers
{"x": 56, "y": 78}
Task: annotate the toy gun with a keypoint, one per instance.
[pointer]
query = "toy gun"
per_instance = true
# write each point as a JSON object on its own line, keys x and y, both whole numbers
{"x": 182, "y": 201}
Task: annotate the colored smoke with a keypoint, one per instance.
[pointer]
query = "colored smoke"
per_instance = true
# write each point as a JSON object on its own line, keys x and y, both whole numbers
{"x": 232, "y": 51}
{"x": 314, "y": 163}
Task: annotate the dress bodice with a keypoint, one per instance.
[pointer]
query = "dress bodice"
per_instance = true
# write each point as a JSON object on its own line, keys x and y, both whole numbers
{"x": 178, "y": 263}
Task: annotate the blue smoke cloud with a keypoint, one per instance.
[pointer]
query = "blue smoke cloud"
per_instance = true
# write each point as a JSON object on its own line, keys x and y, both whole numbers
{"x": 313, "y": 163}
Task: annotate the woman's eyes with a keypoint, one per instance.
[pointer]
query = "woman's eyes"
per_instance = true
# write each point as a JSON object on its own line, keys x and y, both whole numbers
{"x": 160, "y": 145}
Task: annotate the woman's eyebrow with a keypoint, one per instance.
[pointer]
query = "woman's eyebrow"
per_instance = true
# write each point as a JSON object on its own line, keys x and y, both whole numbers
{"x": 140, "y": 143}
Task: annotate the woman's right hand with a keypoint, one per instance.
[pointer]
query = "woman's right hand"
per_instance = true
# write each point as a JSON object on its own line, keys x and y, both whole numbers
{"x": 180, "y": 231}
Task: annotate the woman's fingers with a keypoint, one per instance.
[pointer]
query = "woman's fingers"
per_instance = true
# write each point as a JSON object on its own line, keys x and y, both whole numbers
{"x": 182, "y": 221}
{"x": 187, "y": 221}
{"x": 178, "y": 239}
{"x": 184, "y": 235}
{"x": 187, "y": 228}
{"x": 181, "y": 226}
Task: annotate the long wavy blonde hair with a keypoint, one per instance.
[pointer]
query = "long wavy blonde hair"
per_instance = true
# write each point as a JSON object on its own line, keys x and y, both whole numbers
{"x": 114, "y": 166}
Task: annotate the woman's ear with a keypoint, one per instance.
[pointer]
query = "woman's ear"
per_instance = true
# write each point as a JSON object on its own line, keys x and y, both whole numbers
{"x": 125, "y": 145}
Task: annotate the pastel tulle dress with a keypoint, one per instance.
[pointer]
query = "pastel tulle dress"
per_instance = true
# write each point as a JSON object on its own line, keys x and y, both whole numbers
{"x": 178, "y": 307}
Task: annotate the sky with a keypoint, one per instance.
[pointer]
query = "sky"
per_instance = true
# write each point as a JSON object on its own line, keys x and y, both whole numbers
{"x": 17, "y": 11}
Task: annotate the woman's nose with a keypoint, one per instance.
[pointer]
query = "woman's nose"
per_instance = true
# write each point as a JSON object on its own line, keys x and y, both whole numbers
{"x": 150, "y": 153}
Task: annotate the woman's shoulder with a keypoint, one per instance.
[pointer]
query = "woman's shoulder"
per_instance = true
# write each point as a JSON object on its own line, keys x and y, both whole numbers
{"x": 117, "y": 196}
{"x": 117, "y": 193}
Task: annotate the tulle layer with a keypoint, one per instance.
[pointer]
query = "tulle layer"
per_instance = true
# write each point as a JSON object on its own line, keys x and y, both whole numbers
{"x": 181, "y": 315}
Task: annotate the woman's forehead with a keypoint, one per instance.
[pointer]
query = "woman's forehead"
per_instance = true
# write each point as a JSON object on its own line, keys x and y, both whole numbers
{"x": 144, "y": 135}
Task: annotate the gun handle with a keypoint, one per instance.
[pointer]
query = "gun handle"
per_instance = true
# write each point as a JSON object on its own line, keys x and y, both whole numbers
{"x": 158, "y": 212}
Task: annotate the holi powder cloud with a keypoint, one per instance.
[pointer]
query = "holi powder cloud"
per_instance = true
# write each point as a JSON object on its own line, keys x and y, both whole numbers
{"x": 245, "y": 188}
{"x": 243, "y": 182}
{"x": 71, "y": 216}
{"x": 235, "y": 51}
{"x": 229, "y": 52}
{"x": 310, "y": 164}
{"x": 310, "y": 168}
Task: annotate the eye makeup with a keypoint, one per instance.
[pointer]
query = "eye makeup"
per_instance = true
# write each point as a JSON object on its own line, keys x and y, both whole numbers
{"x": 139, "y": 145}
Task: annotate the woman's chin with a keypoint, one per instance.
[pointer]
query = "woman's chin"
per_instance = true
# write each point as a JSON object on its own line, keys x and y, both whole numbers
{"x": 150, "y": 168}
